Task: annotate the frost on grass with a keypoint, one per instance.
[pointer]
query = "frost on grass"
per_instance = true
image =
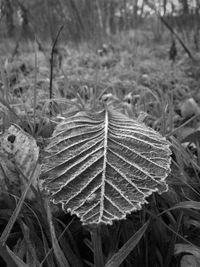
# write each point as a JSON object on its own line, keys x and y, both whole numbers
{"x": 18, "y": 154}
{"x": 102, "y": 166}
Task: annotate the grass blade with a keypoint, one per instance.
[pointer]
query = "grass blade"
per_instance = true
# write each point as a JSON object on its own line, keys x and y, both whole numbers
{"x": 10, "y": 258}
{"x": 184, "y": 205}
{"x": 172, "y": 242}
{"x": 16, "y": 212}
{"x": 60, "y": 257}
{"x": 124, "y": 251}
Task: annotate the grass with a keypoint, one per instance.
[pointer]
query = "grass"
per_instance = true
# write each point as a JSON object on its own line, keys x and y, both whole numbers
{"x": 34, "y": 232}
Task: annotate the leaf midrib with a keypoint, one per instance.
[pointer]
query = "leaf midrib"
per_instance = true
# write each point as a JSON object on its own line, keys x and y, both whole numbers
{"x": 104, "y": 166}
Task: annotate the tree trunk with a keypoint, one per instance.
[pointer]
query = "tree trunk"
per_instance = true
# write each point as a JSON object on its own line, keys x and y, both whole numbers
{"x": 26, "y": 31}
{"x": 125, "y": 16}
{"x": 50, "y": 20}
{"x": 8, "y": 11}
{"x": 100, "y": 19}
{"x": 196, "y": 27}
{"x": 164, "y": 7}
{"x": 185, "y": 6}
{"x": 112, "y": 22}
{"x": 78, "y": 18}
{"x": 135, "y": 12}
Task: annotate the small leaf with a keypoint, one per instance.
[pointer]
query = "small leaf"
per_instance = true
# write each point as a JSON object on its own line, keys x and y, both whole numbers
{"x": 102, "y": 165}
{"x": 21, "y": 148}
{"x": 19, "y": 151}
{"x": 121, "y": 255}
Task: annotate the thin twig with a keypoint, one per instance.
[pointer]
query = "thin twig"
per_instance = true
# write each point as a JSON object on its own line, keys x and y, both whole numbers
{"x": 153, "y": 7}
{"x": 35, "y": 88}
{"x": 51, "y": 67}
{"x": 177, "y": 37}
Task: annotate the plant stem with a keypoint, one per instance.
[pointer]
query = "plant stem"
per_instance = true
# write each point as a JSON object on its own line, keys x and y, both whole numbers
{"x": 35, "y": 88}
{"x": 95, "y": 232}
{"x": 51, "y": 68}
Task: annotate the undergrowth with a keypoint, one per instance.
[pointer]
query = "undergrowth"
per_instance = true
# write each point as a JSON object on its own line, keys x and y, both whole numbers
{"x": 141, "y": 82}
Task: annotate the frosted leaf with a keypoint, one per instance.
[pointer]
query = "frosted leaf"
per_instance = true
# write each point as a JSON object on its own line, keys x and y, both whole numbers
{"x": 102, "y": 166}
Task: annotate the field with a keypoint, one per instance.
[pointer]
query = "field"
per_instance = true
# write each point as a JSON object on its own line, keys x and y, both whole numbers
{"x": 132, "y": 74}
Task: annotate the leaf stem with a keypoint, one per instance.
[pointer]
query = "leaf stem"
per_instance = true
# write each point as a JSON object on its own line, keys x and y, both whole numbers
{"x": 95, "y": 232}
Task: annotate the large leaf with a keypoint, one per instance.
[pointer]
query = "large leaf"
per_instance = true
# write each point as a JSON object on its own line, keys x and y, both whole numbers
{"x": 101, "y": 166}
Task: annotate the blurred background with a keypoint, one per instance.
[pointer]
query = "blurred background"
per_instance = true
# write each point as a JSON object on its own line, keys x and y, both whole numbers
{"x": 94, "y": 20}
